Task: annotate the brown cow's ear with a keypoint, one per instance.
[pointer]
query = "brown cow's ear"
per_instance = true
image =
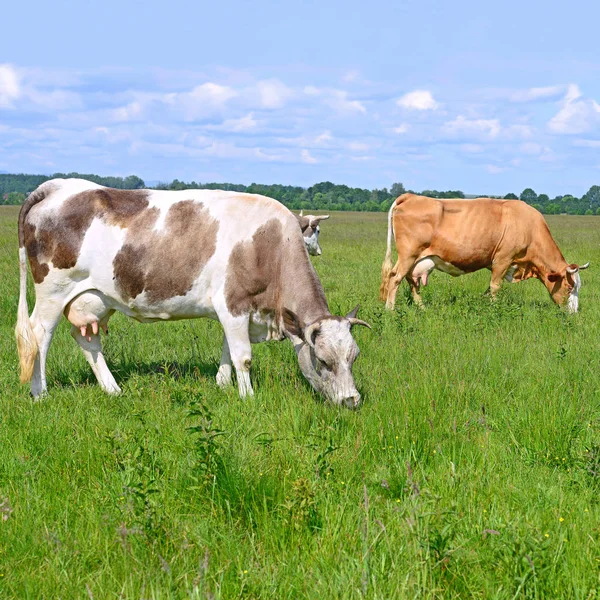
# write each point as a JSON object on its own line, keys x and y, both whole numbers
{"x": 292, "y": 323}
{"x": 554, "y": 277}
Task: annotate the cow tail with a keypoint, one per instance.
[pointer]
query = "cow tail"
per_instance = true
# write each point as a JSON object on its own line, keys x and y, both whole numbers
{"x": 387, "y": 266}
{"x": 26, "y": 341}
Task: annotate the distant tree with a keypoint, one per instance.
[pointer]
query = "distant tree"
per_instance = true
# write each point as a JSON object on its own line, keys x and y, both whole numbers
{"x": 511, "y": 197}
{"x": 528, "y": 195}
{"x": 543, "y": 199}
{"x": 397, "y": 189}
{"x": 592, "y": 197}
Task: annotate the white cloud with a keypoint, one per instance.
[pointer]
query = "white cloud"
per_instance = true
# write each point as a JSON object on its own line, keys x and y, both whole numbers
{"x": 213, "y": 93}
{"x": 336, "y": 99}
{"x": 577, "y": 115}
{"x": 307, "y": 157}
{"x": 587, "y": 143}
{"x": 537, "y": 93}
{"x": 401, "y": 128}
{"x": 56, "y": 100}
{"x": 272, "y": 93}
{"x": 323, "y": 138}
{"x": 10, "y": 88}
{"x": 351, "y": 76}
{"x": 418, "y": 100}
{"x": 339, "y": 101}
{"x": 517, "y": 131}
{"x": 247, "y": 123}
{"x": 358, "y": 146}
{"x": 472, "y": 148}
{"x": 129, "y": 112}
{"x": 479, "y": 127}
{"x": 494, "y": 169}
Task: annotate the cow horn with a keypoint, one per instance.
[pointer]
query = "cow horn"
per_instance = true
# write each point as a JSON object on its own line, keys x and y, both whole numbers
{"x": 352, "y": 314}
{"x": 572, "y": 270}
{"x": 354, "y": 321}
{"x": 582, "y": 267}
{"x": 301, "y": 213}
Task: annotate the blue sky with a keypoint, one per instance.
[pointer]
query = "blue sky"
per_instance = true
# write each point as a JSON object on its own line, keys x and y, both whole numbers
{"x": 446, "y": 95}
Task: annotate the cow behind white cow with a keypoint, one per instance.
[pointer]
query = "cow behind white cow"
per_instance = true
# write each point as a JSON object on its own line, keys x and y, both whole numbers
{"x": 309, "y": 224}
{"x": 166, "y": 255}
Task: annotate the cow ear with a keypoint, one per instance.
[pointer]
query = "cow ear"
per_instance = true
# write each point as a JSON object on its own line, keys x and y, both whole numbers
{"x": 303, "y": 222}
{"x": 553, "y": 277}
{"x": 292, "y": 323}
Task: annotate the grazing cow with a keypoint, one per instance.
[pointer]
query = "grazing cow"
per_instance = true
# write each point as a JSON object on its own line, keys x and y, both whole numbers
{"x": 166, "y": 255}
{"x": 459, "y": 236}
{"x": 309, "y": 225}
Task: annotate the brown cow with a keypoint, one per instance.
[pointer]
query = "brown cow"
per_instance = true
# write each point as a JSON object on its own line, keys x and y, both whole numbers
{"x": 459, "y": 236}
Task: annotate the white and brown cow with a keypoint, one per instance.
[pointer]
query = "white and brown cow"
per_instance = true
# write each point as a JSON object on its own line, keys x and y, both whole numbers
{"x": 309, "y": 224}
{"x": 165, "y": 255}
{"x": 458, "y": 236}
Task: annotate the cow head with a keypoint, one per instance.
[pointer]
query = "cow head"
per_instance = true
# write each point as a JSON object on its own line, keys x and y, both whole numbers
{"x": 326, "y": 352}
{"x": 310, "y": 230}
{"x": 564, "y": 286}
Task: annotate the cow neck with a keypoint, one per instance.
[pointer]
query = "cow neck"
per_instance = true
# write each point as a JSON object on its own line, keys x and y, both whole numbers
{"x": 551, "y": 259}
{"x": 302, "y": 291}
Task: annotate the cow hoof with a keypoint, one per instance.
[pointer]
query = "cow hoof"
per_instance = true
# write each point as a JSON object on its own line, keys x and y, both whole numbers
{"x": 113, "y": 390}
{"x": 224, "y": 376}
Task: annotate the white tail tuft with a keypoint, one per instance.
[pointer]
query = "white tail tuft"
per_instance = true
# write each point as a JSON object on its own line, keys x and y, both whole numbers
{"x": 26, "y": 340}
{"x": 387, "y": 266}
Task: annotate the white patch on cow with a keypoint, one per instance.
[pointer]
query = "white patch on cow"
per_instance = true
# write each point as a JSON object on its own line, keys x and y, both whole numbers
{"x": 573, "y": 302}
{"x": 312, "y": 243}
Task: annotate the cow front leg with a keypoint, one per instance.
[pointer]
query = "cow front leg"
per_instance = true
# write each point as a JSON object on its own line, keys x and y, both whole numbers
{"x": 91, "y": 346}
{"x": 237, "y": 336}
{"x": 224, "y": 372}
{"x": 499, "y": 270}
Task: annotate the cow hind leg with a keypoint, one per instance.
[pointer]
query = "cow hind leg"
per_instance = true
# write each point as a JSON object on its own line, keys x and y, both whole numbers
{"x": 44, "y": 319}
{"x": 415, "y": 289}
{"x": 88, "y": 313}
{"x": 397, "y": 274}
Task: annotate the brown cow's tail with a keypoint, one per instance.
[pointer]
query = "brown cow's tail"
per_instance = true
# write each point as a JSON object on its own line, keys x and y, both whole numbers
{"x": 388, "y": 265}
{"x": 26, "y": 341}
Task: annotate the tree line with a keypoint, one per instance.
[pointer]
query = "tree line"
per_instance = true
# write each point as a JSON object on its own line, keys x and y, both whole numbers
{"x": 321, "y": 196}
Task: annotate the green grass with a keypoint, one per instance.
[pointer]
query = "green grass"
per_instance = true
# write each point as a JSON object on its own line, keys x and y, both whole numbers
{"x": 472, "y": 469}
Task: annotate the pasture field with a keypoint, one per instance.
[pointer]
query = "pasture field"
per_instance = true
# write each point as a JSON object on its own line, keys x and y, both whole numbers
{"x": 471, "y": 471}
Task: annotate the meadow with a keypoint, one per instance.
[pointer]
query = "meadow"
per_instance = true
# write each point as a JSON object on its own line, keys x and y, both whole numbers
{"x": 472, "y": 470}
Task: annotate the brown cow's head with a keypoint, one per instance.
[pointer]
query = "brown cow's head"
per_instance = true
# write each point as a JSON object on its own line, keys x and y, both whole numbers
{"x": 564, "y": 286}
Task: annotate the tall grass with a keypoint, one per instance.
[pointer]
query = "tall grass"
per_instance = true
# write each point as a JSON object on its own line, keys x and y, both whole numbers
{"x": 472, "y": 470}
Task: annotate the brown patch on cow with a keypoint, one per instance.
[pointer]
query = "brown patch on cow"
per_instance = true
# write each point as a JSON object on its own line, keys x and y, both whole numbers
{"x": 253, "y": 271}
{"x": 57, "y": 238}
{"x": 165, "y": 263}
